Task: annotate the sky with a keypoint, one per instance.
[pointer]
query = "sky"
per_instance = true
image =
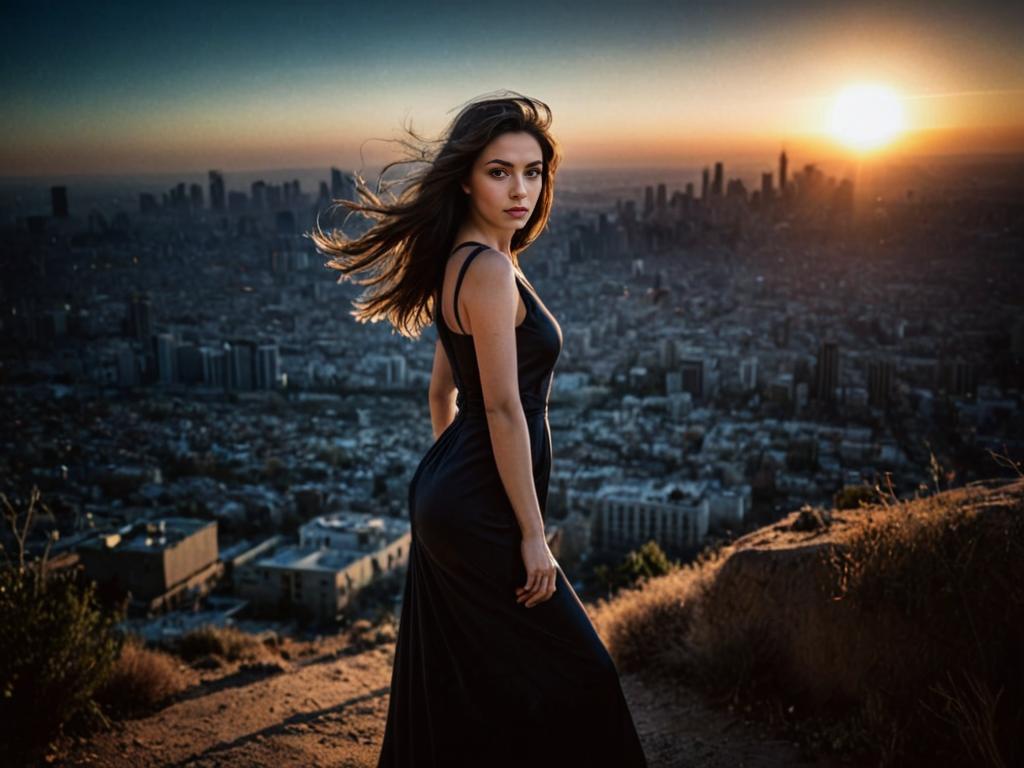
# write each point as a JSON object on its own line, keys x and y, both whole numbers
{"x": 107, "y": 88}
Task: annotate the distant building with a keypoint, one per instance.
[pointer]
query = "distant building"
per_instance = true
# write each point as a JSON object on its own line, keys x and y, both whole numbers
{"x": 163, "y": 563}
{"x": 624, "y": 518}
{"x": 336, "y": 557}
{"x": 217, "y": 195}
{"x": 166, "y": 358}
{"x": 826, "y": 372}
{"x": 59, "y": 202}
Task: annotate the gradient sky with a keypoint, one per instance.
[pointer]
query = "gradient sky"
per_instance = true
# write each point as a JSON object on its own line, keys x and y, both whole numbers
{"x": 185, "y": 86}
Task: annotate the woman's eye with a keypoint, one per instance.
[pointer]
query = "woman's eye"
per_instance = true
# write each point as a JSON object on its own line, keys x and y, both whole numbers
{"x": 534, "y": 171}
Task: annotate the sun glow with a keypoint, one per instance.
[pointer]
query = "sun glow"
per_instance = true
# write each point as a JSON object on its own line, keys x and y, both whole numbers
{"x": 867, "y": 116}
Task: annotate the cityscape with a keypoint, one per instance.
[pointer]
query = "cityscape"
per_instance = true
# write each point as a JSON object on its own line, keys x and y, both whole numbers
{"x": 730, "y": 355}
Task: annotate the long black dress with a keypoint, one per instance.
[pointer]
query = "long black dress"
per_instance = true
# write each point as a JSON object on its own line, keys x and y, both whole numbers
{"x": 479, "y": 679}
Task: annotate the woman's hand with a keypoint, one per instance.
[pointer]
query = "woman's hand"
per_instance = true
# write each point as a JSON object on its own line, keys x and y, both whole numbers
{"x": 540, "y": 571}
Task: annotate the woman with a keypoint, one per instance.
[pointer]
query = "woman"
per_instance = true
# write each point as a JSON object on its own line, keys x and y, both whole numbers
{"x": 496, "y": 661}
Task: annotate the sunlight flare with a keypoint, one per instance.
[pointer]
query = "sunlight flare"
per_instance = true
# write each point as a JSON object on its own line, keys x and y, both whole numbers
{"x": 867, "y": 116}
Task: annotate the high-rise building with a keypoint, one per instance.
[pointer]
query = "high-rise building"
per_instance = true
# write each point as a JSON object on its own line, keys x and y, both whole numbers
{"x": 127, "y": 367}
{"x": 748, "y": 374}
{"x": 214, "y": 366}
{"x": 783, "y": 179}
{"x": 766, "y": 186}
{"x": 717, "y": 187}
{"x": 238, "y": 202}
{"x": 166, "y": 358}
{"x": 693, "y": 376}
{"x": 343, "y": 185}
{"x": 59, "y": 202}
{"x": 259, "y": 195}
{"x": 241, "y": 361}
{"x": 879, "y": 382}
{"x": 140, "y": 317}
{"x": 267, "y": 366}
{"x": 648, "y": 200}
{"x": 662, "y": 200}
{"x": 217, "y": 195}
{"x": 195, "y": 192}
{"x": 147, "y": 204}
{"x": 826, "y": 374}
{"x": 705, "y": 183}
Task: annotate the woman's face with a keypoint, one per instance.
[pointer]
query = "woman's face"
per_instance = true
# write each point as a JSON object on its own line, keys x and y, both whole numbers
{"x": 508, "y": 174}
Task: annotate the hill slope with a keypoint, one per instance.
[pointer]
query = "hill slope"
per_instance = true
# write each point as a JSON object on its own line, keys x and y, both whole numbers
{"x": 844, "y": 615}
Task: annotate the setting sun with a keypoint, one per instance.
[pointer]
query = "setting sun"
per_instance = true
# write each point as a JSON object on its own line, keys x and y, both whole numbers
{"x": 867, "y": 116}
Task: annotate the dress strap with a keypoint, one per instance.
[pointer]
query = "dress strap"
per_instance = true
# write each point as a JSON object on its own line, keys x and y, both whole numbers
{"x": 467, "y": 242}
{"x": 458, "y": 282}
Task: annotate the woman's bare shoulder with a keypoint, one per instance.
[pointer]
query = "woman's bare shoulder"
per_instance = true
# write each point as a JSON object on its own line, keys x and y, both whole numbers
{"x": 491, "y": 266}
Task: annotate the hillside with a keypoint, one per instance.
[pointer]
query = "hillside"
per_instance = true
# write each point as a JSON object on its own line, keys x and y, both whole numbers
{"x": 813, "y": 631}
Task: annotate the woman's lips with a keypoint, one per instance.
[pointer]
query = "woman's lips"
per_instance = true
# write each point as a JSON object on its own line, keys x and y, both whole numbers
{"x": 517, "y": 212}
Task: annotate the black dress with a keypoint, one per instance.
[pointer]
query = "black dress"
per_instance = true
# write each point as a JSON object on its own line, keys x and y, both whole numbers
{"x": 479, "y": 679}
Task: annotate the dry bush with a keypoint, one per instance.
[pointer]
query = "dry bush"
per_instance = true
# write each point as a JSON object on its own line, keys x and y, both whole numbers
{"x": 141, "y": 680}
{"x": 900, "y": 626}
{"x": 229, "y": 643}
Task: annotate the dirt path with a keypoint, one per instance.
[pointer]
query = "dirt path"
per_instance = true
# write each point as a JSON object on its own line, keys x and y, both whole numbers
{"x": 330, "y": 710}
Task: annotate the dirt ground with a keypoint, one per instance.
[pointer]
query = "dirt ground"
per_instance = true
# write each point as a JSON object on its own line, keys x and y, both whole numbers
{"x": 329, "y": 709}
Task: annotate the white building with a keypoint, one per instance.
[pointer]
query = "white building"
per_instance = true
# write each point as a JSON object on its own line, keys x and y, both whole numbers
{"x": 337, "y": 555}
{"x": 625, "y": 517}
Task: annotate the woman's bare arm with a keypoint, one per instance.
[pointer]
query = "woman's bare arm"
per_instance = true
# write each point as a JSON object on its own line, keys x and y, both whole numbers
{"x": 442, "y": 391}
{"x": 491, "y": 299}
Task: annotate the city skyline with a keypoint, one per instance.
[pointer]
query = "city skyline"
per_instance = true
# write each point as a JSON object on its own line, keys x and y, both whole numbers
{"x": 123, "y": 90}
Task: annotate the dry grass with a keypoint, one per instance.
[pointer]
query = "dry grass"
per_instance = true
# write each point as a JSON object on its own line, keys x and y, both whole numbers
{"x": 140, "y": 681}
{"x": 899, "y": 625}
{"x": 228, "y": 643}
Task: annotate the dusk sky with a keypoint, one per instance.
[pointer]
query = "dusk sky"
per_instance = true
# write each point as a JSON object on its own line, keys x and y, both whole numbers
{"x": 186, "y": 86}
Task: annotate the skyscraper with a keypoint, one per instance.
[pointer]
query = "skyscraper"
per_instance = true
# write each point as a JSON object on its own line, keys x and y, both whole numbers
{"x": 717, "y": 188}
{"x": 259, "y": 195}
{"x": 705, "y": 176}
{"x": 827, "y": 371}
{"x": 217, "y": 197}
{"x": 59, "y": 202}
{"x": 782, "y": 172}
{"x": 343, "y": 186}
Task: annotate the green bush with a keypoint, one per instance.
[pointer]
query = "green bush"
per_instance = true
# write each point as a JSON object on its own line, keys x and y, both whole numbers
{"x": 56, "y": 648}
{"x": 638, "y": 565}
{"x": 853, "y": 496}
{"x": 57, "y": 645}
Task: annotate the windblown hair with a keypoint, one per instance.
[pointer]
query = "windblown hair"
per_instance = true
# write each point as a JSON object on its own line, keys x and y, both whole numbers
{"x": 405, "y": 250}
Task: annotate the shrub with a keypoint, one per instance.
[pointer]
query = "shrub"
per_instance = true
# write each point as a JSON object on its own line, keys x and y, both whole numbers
{"x": 855, "y": 496}
{"x": 141, "y": 679}
{"x": 229, "y": 643}
{"x": 57, "y": 645}
{"x": 638, "y": 566}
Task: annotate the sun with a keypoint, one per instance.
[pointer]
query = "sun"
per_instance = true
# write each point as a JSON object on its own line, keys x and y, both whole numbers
{"x": 867, "y": 116}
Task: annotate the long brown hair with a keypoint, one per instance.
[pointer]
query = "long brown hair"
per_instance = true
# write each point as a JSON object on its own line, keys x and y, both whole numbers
{"x": 406, "y": 249}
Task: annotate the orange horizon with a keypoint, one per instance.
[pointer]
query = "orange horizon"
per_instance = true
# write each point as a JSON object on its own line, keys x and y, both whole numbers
{"x": 583, "y": 152}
